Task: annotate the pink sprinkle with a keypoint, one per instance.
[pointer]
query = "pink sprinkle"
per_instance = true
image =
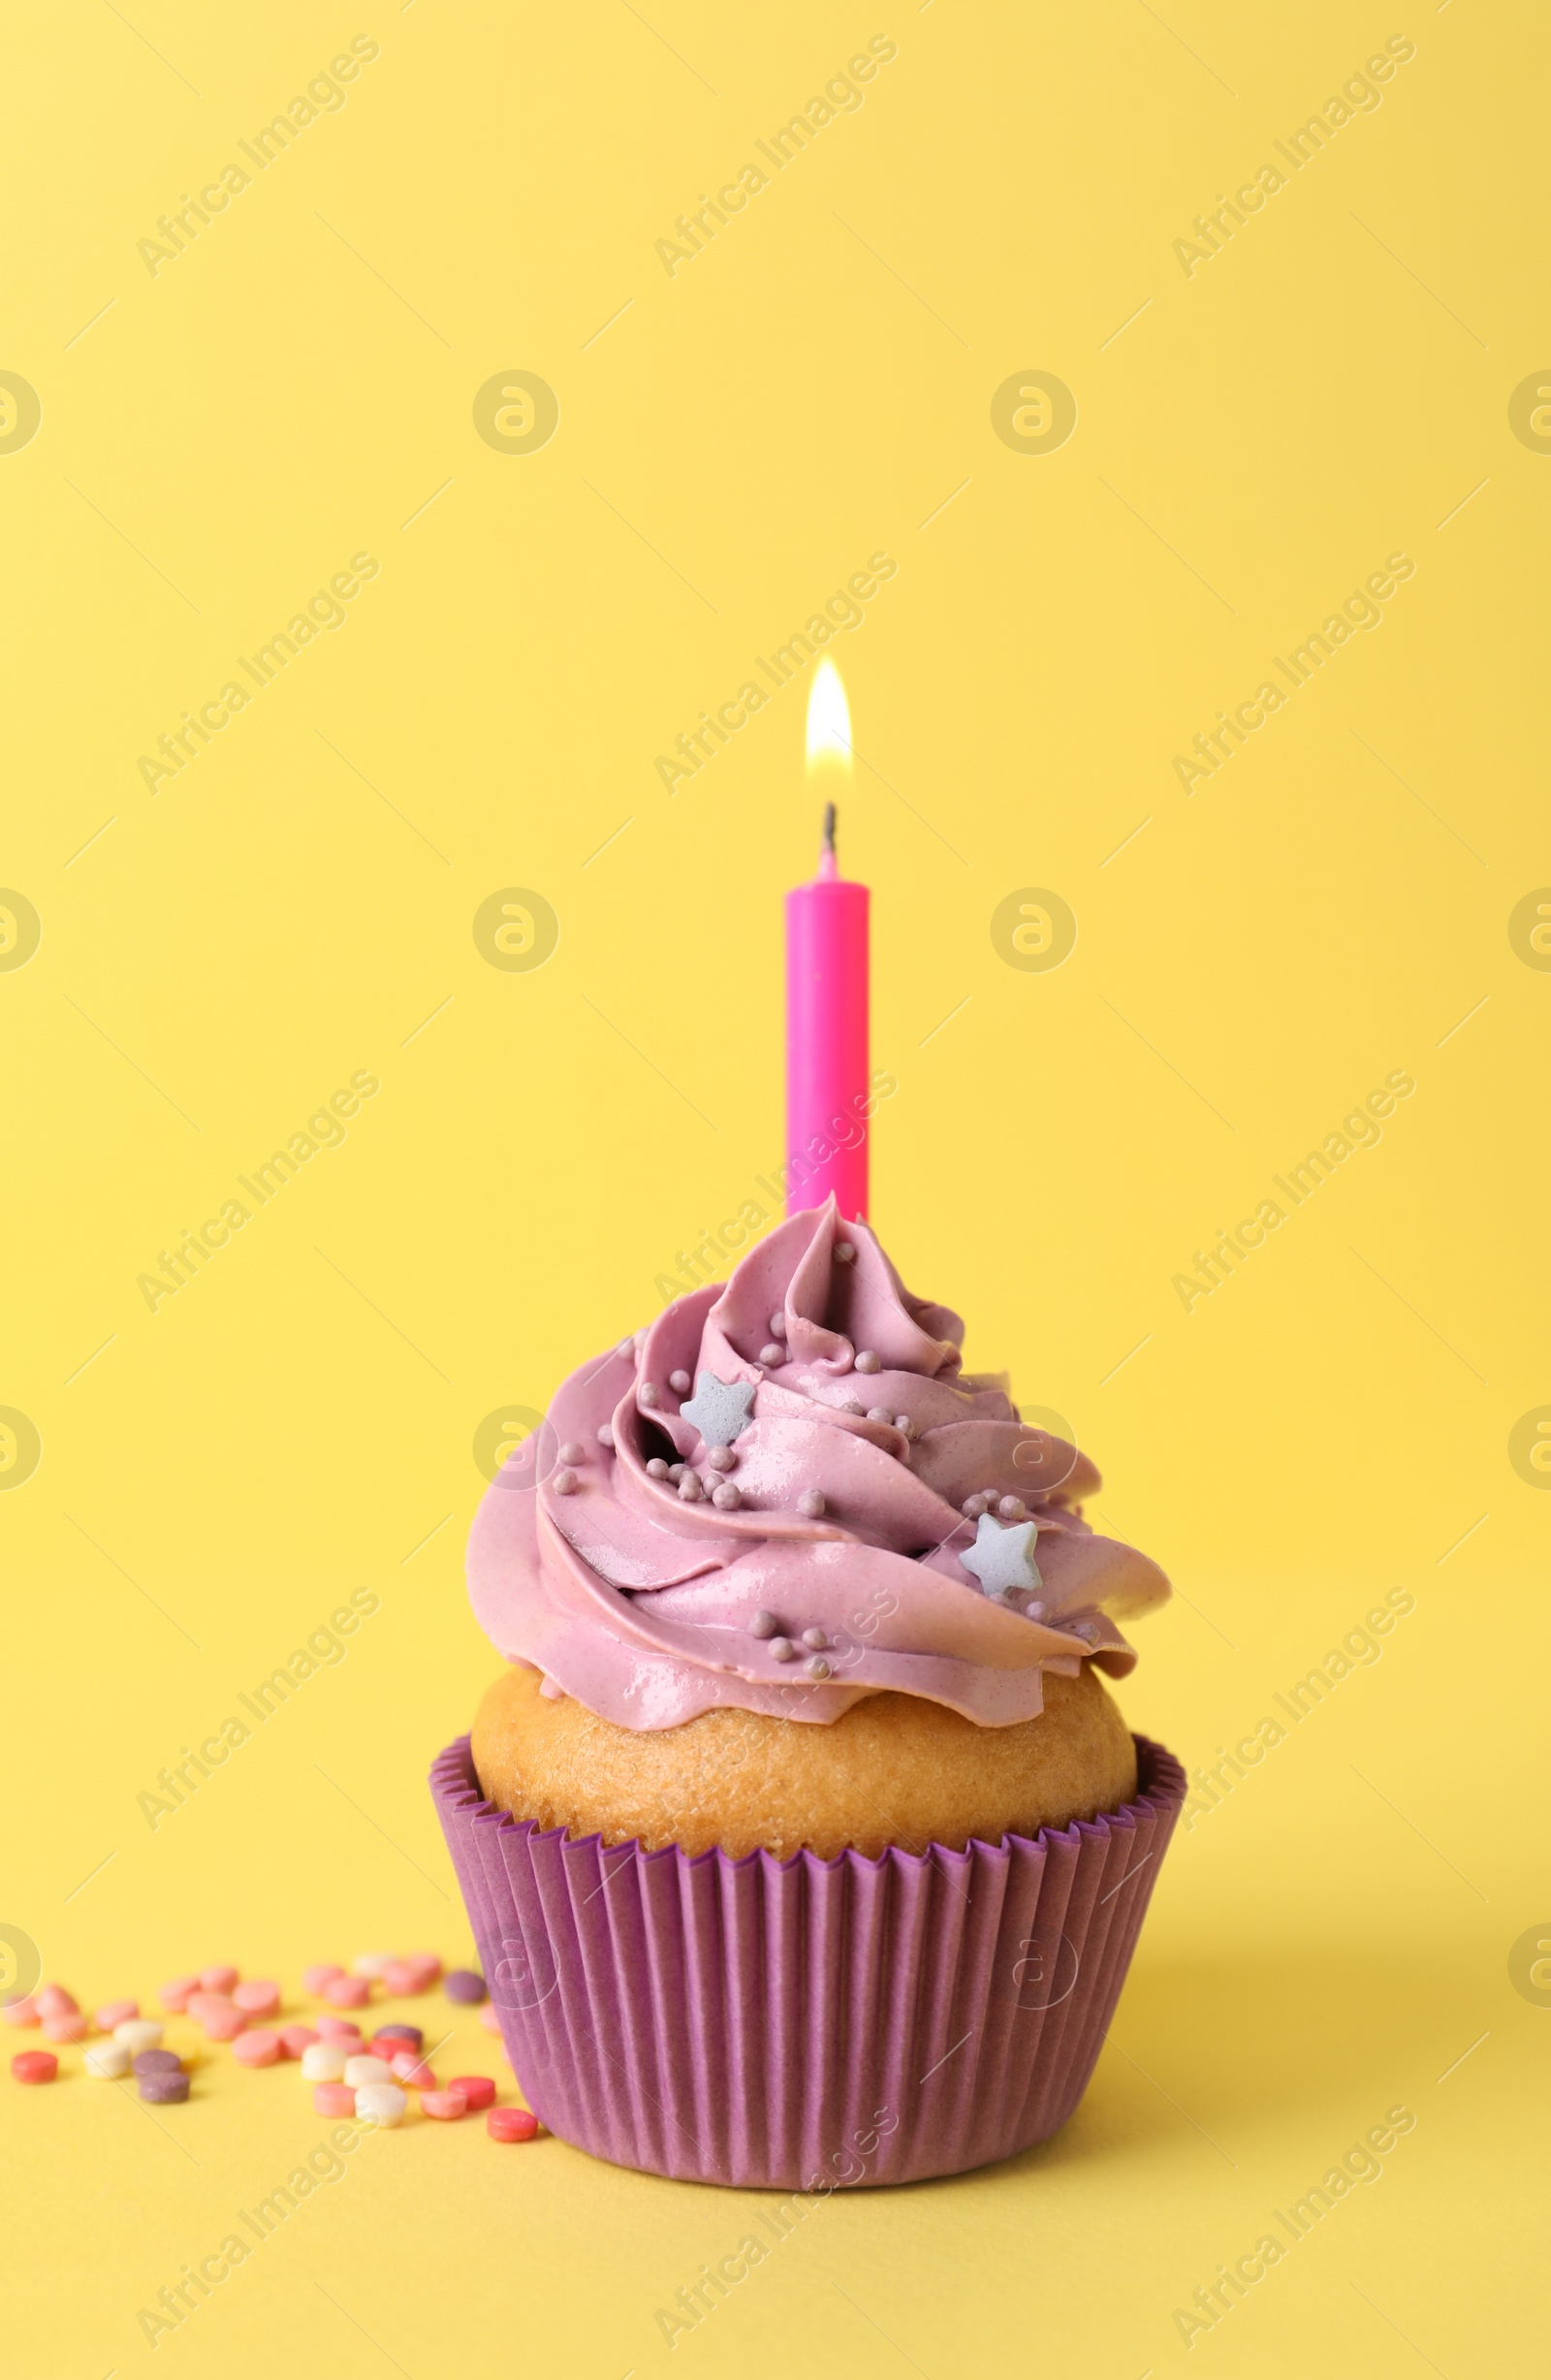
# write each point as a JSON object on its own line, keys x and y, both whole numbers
{"x": 490, "y": 2018}
{"x": 65, "y": 2028}
{"x": 42, "y": 2066}
{"x": 478, "y": 2089}
{"x": 338, "y": 2030}
{"x": 259, "y": 2047}
{"x": 401, "y": 1981}
{"x": 426, "y": 1963}
{"x": 446, "y": 2106}
{"x": 259, "y": 1998}
{"x": 333, "y": 2099}
{"x": 511, "y": 2124}
{"x": 202, "y": 2004}
{"x": 313, "y": 1979}
{"x": 347, "y": 1990}
{"x": 218, "y": 1979}
{"x": 20, "y": 2012}
{"x": 176, "y": 1995}
{"x": 295, "y": 2038}
{"x": 414, "y": 2071}
{"x": 55, "y": 2001}
{"x": 114, "y": 2012}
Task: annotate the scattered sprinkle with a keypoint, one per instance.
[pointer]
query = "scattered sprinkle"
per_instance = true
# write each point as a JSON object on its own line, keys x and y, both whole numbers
{"x": 810, "y": 1504}
{"x": 565, "y": 1482}
{"x": 867, "y": 1361}
{"x": 764, "y": 1624}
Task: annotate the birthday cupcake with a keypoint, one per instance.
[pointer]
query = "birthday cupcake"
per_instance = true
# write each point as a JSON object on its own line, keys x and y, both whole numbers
{"x": 802, "y": 1840}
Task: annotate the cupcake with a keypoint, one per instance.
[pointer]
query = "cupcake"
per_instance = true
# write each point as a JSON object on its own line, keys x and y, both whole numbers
{"x": 802, "y": 1839}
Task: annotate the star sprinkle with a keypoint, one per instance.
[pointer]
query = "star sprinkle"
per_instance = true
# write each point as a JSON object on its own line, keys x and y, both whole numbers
{"x": 720, "y": 1408}
{"x": 1002, "y": 1558}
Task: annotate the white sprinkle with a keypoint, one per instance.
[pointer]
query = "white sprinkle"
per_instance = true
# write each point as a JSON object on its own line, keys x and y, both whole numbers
{"x": 782, "y": 1649}
{"x": 649, "y": 1394}
{"x": 679, "y": 1382}
{"x": 726, "y": 1497}
{"x": 689, "y": 1488}
{"x": 107, "y": 2060}
{"x": 880, "y": 1413}
{"x": 770, "y": 1353}
{"x": 572, "y": 1451}
{"x": 626, "y": 1348}
{"x": 810, "y": 1504}
{"x": 904, "y": 1425}
{"x": 1013, "y": 1507}
{"x": 721, "y": 1458}
{"x": 676, "y": 1472}
{"x": 778, "y": 1325}
{"x": 815, "y": 1639}
{"x": 656, "y": 1469}
{"x": 867, "y": 1361}
{"x": 383, "y": 2102}
{"x": 138, "y": 2033}
{"x": 366, "y": 2069}
{"x": 844, "y": 1251}
{"x": 323, "y": 2062}
{"x": 817, "y": 1667}
{"x": 764, "y": 1624}
{"x": 565, "y": 1483}
{"x": 606, "y": 1434}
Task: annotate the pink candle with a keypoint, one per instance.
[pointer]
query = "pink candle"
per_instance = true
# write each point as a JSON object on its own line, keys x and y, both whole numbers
{"x": 827, "y": 1039}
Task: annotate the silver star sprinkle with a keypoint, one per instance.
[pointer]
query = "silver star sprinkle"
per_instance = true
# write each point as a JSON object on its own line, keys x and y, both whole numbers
{"x": 720, "y": 1408}
{"x": 1002, "y": 1558}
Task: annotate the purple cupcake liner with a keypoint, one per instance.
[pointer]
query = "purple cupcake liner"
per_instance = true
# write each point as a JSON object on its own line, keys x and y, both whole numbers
{"x": 804, "y": 2022}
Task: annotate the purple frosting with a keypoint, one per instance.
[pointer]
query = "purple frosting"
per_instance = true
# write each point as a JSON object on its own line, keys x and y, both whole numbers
{"x": 589, "y": 1562}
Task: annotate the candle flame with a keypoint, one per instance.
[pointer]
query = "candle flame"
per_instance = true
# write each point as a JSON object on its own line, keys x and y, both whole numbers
{"x": 829, "y": 720}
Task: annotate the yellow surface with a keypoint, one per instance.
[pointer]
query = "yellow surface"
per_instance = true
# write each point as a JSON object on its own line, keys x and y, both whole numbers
{"x": 1254, "y": 439}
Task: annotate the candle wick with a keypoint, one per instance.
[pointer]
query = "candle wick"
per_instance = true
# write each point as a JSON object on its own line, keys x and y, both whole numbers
{"x": 829, "y": 826}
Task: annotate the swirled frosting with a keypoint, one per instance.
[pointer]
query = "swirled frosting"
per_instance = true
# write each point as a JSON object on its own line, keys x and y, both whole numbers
{"x": 818, "y": 1553}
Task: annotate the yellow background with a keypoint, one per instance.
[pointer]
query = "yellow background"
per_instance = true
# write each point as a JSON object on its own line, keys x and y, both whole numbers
{"x": 294, "y": 906}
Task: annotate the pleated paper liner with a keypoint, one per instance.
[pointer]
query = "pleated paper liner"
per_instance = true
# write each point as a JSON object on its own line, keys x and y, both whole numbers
{"x": 785, "y": 2023}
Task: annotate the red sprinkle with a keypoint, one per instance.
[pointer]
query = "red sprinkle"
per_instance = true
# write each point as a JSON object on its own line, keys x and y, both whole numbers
{"x": 511, "y": 2124}
{"x": 42, "y": 2066}
{"x": 333, "y": 2099}
{"x": 478, "y": 2089}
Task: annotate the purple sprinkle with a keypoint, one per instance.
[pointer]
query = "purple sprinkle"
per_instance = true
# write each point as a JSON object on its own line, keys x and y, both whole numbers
{"x": 158, "y": 2062}
{"x": 164, "y": 2091}
{"x": 463, "y": 1987}
{"x": 409, "y": 2034}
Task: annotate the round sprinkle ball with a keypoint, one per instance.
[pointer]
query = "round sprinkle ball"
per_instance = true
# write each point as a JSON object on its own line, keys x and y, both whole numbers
{"x": 164, "y": 2091}
{"x": 333, "y": 2099}
{"x": 446, "y": 2106}
{"x": 511, "y": 2124}
{"x": 465, "y": 1987}
{"x": 479, "y": 2090}
{"x": 260, "y": 2048}
{"x": 40, "y": 2066}
{"x": 109, "y": 2061}
{"x": 259, "y": 1998}
{"x": 382, "y": 2104}
{"x": 810, "y": 1504}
